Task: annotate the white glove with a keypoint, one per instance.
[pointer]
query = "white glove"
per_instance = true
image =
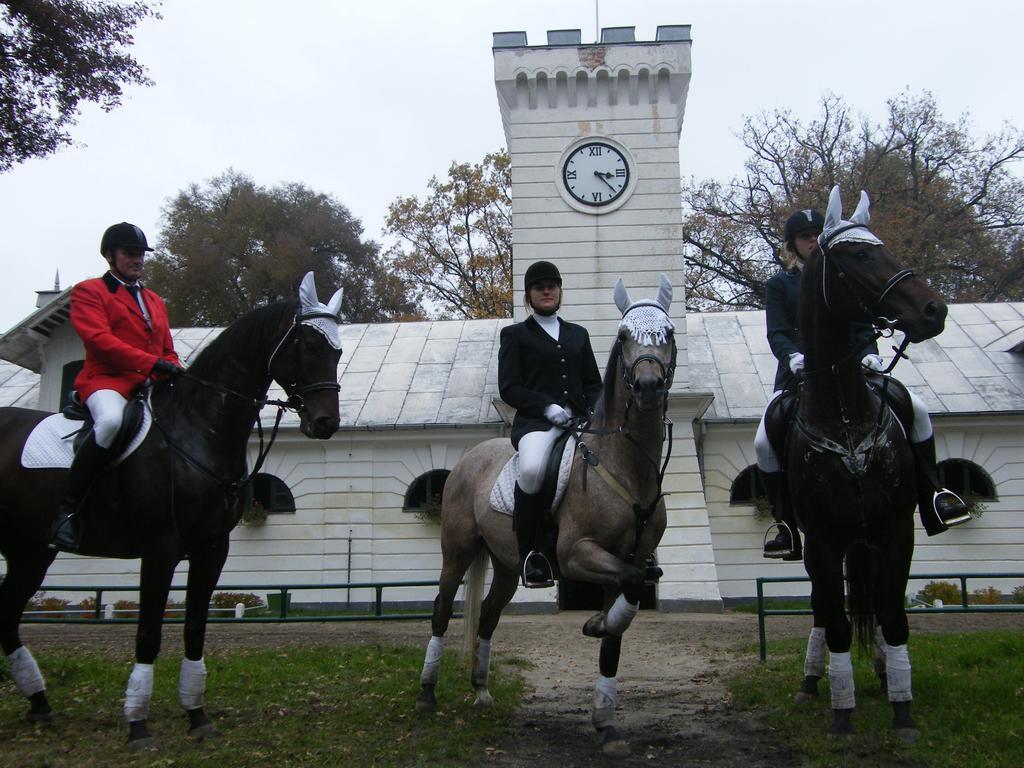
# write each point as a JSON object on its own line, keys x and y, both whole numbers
{"x": 873, "y": 363}
{"x": 557, "y": 415}
{"x": 796, "y": 363}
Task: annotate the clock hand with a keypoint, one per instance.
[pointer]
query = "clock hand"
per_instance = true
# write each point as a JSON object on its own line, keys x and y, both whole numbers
{"x": 604, "y": 177}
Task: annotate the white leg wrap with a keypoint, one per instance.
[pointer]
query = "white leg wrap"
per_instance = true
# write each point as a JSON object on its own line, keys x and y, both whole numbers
{"x": 482, "y": 662}
{"x": 192, "y": 683}
{"x": 138, "y": 693}
{"x": 606, "y": 698}
{"x": 432, "y": 661}
{"x": 620, "y": 615}
{"x": 814, "y": 661}
{"x": 897, "y": 671}
{"x": 26, "y": 672}
{"x": 840, "y": 680}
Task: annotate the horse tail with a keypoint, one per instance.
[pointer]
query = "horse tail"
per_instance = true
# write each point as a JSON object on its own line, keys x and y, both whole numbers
{"x": 861, "y": 580}
{"x": 473, "y": 597}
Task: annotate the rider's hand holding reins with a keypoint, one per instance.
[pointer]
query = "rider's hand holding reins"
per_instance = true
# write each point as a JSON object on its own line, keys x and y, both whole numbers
{"x": 796, "y": 363}
{"x": 873, "y": 363}
{"x": 167, "y": 368}
{"x": 557, "y": 415}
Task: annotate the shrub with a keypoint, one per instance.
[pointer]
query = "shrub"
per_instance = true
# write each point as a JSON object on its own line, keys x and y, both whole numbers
{"x": 52, "y": 605}
{"x": 987, "y": 596}
{"x": 940, "y": 590}
{"x": 1018, "y": 594}
{"x": 126, "y": 609}
{"x": 230, "y": 599}
{"x": 88, "y": 604}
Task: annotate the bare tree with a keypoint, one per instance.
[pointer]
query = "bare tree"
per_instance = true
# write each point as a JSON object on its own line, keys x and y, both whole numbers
{"x": 947, "y": 203}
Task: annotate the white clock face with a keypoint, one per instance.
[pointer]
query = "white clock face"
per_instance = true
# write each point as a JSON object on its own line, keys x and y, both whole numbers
{"x": 595, "y": 174}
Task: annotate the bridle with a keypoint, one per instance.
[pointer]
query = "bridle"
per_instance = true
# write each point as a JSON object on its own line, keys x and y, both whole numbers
{"x": 668, "y": 372}
{"x": 295, "y": 402}
{"x": 294, "y": 389}
{"x": 874, "y": 303}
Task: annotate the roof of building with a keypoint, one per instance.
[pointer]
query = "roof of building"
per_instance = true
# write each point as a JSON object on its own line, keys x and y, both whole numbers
{"x": 446, "y": 372}
{"x": 975, "y": 365}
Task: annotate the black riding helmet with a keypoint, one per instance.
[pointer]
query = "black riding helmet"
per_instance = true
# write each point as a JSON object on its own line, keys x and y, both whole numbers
{"x": 123, "y": 235}
{"x": 541, "y": 270}
{"x": 801, "y": 221}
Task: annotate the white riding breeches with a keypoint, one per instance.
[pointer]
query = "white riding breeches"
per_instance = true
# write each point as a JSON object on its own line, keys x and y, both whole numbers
{"x": 534, "y": 449}
{"x": 107, "y": 409}
{"x": 767, "y": 461}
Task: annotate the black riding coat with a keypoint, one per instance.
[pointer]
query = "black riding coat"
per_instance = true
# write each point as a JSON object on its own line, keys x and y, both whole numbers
{"x": 782, "y": 313}
{"x": 535, "y": 371}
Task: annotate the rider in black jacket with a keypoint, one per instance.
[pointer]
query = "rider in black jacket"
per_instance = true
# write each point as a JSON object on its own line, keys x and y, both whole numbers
{"x": 547, "y": 372}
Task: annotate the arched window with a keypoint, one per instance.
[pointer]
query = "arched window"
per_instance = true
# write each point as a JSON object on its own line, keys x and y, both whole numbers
{"x": 424, "y": 494}
{"x": 272, "y": 495}
{"x": 747, "y": 488}
{"x": 967, "y": 479}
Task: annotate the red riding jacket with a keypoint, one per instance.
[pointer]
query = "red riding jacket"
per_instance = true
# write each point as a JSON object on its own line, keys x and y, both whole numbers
{"x": 120, "y": 348}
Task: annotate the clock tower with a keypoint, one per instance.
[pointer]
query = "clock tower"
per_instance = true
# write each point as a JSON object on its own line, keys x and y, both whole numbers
{"x": 593, "y": 135}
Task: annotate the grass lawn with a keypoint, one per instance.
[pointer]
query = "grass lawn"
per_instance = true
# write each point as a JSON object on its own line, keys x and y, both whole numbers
{"x": 290, "y": 706}
{"x": 968, "y": 704}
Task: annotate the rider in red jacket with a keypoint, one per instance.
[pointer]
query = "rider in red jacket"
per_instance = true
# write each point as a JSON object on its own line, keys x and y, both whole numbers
{"x": 127, "y": 339}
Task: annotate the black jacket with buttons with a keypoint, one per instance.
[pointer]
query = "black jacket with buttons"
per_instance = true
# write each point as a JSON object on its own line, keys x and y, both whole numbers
{"x": 782, "y": 312}
{"x": 535, "y": 371}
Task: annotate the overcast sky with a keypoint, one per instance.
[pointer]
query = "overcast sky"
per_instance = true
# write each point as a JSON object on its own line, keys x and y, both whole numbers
{"x": 366, "y": 100}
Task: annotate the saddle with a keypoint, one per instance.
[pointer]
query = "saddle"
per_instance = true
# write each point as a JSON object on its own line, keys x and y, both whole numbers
{"x": 780, "y": 413}
{"x": 52, "y": 442}
{"x": 131, "y": 421}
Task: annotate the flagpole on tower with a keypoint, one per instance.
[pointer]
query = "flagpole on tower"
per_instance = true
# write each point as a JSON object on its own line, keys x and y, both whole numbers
{"x": 597, "y": 21}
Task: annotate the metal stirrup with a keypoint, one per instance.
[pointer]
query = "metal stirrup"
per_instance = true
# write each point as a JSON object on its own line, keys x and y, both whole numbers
{"x": 779, "y": 553}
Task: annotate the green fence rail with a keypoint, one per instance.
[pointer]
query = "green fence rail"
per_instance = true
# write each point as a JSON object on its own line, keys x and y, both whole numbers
{"x": 964, "y": 606}
{"x": 281, "y": 591}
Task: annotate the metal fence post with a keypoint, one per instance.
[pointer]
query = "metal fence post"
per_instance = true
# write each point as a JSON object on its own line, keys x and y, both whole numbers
{"x": 760, "y": 620}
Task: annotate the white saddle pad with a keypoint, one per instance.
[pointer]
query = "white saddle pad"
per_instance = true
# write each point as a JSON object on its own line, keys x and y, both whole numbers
{"x": 503, "y": 494}
{"x": 49, "y": 444}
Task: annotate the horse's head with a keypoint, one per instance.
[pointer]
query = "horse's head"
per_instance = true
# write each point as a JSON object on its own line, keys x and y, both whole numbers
{"x": 862, "y": 280}
{"x": 305, "y": 361}
{"x": 647, "y": 346}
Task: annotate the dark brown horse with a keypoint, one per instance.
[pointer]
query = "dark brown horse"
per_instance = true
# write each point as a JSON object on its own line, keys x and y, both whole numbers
{"x": 175, "y": 497}
{"x": 851, "y": 472}
{"x": 606, "y": 528}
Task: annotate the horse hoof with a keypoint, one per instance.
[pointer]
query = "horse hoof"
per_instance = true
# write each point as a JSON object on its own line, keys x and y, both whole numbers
{"x": 907, "y": 735}
{"x": 483, "y": 700}
{"x": 595, "y": 626}
{"x": 425, "y": 703}
{"x": 202, "y": 732}
{"x": 146, "y": 743}
{"x": 39, "y": 718}
{"x": 616, "y": 749}
{"x": 802, "y": 697}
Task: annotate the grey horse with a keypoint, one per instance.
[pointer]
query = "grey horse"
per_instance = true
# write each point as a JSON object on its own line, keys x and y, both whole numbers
{"x": 610, "y": 520}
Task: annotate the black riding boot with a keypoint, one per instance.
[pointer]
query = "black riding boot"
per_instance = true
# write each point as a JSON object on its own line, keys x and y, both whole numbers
{"x": 786, "y": 544}
{"x": 535, "y": 569}
{"x": 939, "y": 508}
{"x": 88, "y": 461}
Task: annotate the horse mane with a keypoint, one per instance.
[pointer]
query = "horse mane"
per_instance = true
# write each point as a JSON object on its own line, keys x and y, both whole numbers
{"x": 247, "y": 338}
{"x": 605, "y": 403}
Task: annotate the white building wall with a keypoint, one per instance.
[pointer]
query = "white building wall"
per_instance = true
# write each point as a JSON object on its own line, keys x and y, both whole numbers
{"x": 991, "y": 544}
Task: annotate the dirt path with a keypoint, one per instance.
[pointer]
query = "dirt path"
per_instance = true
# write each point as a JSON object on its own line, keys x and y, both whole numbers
{"x": 673, "y": 703}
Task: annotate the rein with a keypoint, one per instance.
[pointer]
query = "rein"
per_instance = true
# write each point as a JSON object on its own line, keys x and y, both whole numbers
{"x": 641, "y": 512}
{"x": 233, "y": 487}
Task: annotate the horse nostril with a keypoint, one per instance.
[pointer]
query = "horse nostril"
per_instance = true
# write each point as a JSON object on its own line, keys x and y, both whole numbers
{"x": 931, "y": 309}
{"x": 325, "y": 425}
